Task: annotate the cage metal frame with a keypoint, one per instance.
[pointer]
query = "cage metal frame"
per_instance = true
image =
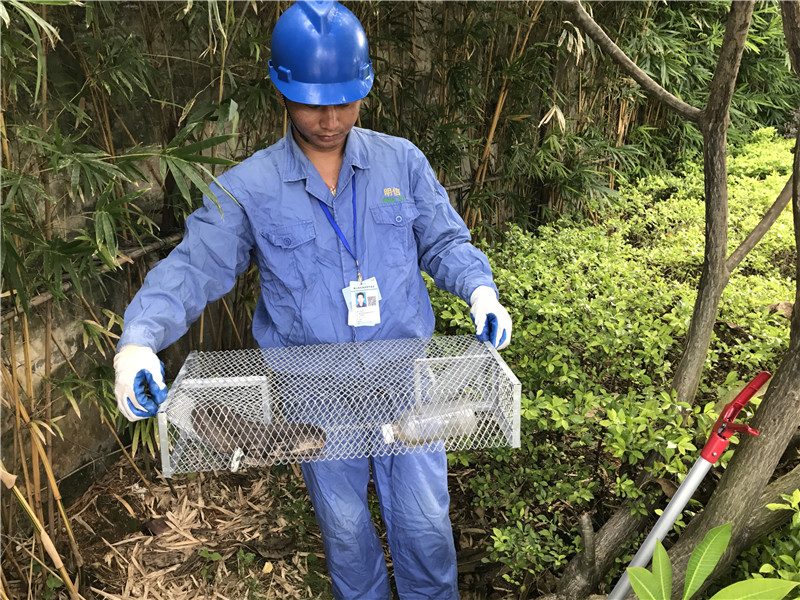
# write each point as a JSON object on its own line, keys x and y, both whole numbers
{"x": 425, "y": 374}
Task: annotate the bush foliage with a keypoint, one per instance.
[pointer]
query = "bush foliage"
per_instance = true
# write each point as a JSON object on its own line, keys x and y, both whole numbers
{"x": 600, "y": 313}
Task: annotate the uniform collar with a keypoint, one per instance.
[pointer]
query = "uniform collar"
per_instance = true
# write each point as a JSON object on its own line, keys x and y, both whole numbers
{"x": 298, "y": 167}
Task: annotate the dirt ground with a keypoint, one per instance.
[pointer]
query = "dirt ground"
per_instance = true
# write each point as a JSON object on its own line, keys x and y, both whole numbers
{"x": 232, "y": 536}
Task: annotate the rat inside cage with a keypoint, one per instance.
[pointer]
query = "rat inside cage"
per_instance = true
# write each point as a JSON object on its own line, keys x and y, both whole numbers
{"x": 228, "y": 410}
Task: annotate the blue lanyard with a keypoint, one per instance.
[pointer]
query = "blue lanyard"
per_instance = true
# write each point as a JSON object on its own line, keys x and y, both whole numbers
{"x": 332, "y": 221}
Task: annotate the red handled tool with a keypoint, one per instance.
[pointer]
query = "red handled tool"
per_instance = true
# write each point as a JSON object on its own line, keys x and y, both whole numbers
{"x": 719, "y": 439}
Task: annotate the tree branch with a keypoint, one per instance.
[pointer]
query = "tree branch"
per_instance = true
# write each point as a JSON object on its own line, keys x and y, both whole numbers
{"x": 763, "y": 226}
{"x": 765, "y": 521}
{"x": 730, "y": 57}
{"x": 608, "y": 46}
{"x": 790, "y": 14}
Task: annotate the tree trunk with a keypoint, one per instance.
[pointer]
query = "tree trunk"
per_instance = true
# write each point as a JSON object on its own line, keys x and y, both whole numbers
{"x": 740, "y": 491}
{"x": 580, "y": 578}
{"x": 714, "y": 126}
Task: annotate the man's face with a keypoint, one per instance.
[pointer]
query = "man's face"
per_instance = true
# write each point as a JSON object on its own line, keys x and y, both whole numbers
{"x": 323, "y": 128}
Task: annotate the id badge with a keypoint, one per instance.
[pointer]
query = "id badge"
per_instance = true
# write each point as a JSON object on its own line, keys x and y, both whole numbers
{"x": 363, "y": 303}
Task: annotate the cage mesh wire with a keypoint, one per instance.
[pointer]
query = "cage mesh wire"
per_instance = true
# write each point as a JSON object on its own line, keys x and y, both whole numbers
{"x": 228, "y": 410}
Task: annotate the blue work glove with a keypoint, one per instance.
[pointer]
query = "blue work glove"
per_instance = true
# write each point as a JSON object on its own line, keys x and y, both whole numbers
{"x": 139, "y": 385}
{"x": 492, "y": 322}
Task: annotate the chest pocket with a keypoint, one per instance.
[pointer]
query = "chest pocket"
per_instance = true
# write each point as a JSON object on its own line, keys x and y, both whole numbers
{"x": 394, "y": 228}
{"x": 287, "y": 249}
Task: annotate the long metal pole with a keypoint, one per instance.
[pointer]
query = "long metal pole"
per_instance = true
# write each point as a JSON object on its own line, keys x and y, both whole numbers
{"x": 664, "y": 524}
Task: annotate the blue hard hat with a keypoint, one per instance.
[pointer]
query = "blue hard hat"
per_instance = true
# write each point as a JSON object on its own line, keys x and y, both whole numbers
{"x": 320, "y": 54}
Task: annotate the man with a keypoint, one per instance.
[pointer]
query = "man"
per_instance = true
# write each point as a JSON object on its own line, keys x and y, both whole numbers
{"x": 327, "y": 211}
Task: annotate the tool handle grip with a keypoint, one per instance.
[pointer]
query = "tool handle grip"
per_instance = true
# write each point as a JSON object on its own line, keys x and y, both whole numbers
{"x": 725, "y": 427}
{"x": 749, "y": 391}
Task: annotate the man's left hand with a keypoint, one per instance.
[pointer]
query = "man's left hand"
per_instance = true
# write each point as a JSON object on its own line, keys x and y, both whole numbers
{"x": 492, "y": 322}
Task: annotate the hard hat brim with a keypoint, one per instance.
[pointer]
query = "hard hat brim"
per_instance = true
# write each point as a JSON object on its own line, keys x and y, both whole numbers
{"x": 319, "y": 94}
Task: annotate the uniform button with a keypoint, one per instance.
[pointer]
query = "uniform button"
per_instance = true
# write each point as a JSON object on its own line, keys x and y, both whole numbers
{"x": 287, "y": 241}
{"x": 399, "y": 219}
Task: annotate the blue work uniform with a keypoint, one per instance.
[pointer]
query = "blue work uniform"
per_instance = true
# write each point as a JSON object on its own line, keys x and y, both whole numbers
{"x": 404, "y": 223}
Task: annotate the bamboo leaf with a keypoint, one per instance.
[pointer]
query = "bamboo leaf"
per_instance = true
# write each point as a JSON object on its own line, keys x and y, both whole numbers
{"x": 35, "y": 22}
{"x": 756, "y": 589}
{"x": 195, "y": 178}
{"x": 173, "y": 166}
{"x": 211, "y": 160}
{"x": 189, "y": 171}
{"x": 704, "y": 558}
{"x": 190, "y": 149}
{"x": 228, "y": 111}
{"x": 14, "y": 273}
{"x": 34, "y": 425}
{"x": 70, "y": 396}
{"x": 137, "y": 428}
{"x": 113, "y": 319}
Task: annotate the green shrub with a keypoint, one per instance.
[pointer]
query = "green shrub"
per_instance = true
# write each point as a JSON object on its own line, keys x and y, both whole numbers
{"x": 601, "y": 313}
{"x": 777, "y": 555}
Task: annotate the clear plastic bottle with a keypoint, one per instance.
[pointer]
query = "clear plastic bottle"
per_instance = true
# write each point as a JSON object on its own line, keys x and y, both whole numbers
{"x": 430, "y": 423}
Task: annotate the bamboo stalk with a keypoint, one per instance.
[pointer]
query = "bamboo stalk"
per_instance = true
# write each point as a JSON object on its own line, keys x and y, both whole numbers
{"x": 3, "y": 586}
{"x": 17, "y": 446}
{"x": 202, "y": 327}
{"x": 238, "y": 308}
{"x": 35, "y": 475}
{"x": 216, "y": 332}
{"x": 220, "y": 341}
{"x": 233, "y": 321}
{"x": 488, "y": 78}
{"x": 48, "y": 317}
{"x": 48, "y": 414}
{"x": 10, "y": 482}
{"x": 4, "y": 138}
{"x": 40, "y": 454}
{"x": 222, "y": 70}
{"x": 516, "y": 52}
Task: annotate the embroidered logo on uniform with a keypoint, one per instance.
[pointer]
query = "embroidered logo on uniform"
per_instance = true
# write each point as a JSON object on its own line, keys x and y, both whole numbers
{"x": 392, "y": 194}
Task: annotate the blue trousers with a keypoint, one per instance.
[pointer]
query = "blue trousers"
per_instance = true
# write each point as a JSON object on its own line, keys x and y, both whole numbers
{"x": 414, "y": 502}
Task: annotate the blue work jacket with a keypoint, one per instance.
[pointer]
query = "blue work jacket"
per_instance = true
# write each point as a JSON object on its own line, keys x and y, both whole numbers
{"x": 405, "y": 223}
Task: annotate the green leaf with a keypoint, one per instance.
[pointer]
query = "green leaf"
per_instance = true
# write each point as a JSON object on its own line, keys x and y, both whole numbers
{"x": 705, "y": 557}
{"x": 755, "y": 589}
{"x": 179, "y": 180}
{"x": 35, "y": 22}
{"x": 645, "y": 584}
{"x": 189, "y": 172}
{"x": 662, "y": 570}
{"x": 766, "y": 568}
{"x": 209, "y": 160}
{"x": 187, "y": 152}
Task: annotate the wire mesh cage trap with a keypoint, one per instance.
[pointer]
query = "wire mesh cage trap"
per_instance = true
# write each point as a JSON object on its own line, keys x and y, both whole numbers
{"x": 228, "y": 410}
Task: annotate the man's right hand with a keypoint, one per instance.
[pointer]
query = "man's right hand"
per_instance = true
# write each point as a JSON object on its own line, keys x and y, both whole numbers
{"x": 139, "y": 385}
